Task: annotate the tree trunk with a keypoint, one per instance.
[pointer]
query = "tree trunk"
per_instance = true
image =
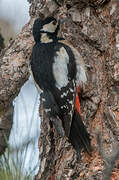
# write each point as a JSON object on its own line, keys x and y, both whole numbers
{"x": 13, "y": 73}
{"x": 93, "y": 28}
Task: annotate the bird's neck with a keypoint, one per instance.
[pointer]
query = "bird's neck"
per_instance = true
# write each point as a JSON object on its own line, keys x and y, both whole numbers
{"x": 47, "y": 38}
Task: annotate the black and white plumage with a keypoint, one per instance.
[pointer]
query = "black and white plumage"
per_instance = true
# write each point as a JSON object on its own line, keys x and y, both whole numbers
{"x": 57, "y": 69}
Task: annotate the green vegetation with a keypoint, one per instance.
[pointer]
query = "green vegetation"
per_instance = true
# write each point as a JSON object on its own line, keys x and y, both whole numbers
{"x": 8, "y": 175}
{"x": 12, "y": 163}
{"x": 11, "y": 170}
{"x": 17, "y": 163}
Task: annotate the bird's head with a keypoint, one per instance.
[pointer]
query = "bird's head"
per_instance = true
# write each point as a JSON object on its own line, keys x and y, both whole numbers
{"x": 45, "y": 30}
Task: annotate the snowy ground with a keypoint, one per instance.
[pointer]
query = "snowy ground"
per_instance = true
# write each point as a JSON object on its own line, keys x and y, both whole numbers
{"x": 26, "y": 128}
{"x": 26, "y": 122}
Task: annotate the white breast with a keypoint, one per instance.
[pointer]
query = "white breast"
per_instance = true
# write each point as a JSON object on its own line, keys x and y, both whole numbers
{"x": 60, "y": 69}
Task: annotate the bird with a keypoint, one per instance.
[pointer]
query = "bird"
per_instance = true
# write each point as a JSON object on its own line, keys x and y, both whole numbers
{"x": 58, "y": 70}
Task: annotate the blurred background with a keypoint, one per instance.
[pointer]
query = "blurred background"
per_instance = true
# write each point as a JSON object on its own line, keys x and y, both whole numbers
{"x": 25, "y": 132}
{"x": 13, "y": 15}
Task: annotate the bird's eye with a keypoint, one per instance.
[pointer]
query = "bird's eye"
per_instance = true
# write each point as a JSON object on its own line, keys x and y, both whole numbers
{"x": 54, "y": 22}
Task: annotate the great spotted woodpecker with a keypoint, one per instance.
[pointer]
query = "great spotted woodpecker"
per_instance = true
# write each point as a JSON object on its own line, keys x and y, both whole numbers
{"x": 58, "y": 69}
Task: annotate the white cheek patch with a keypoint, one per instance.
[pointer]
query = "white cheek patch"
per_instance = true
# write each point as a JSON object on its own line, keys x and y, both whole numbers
{"x": 49, "y": 27}
{"x": 60, "y": 69}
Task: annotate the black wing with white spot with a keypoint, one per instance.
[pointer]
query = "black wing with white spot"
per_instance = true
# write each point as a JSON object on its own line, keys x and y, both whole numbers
{"x": 57, "y": 68}
{"x": 54, "y": 70}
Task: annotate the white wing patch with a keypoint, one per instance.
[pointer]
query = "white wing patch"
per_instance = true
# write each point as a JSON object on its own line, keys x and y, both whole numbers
{"x": 60, "y": 69}
{"x": 81, "y": 72}
{"x": 80, "y": 65}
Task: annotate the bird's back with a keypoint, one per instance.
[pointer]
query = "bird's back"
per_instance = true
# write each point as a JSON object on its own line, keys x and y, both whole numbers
{"x": 58, "y": 69}
{"x": 52, "y": 63}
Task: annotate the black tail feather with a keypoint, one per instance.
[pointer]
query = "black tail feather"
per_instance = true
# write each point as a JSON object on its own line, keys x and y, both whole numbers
{"x": 79, "y": 136}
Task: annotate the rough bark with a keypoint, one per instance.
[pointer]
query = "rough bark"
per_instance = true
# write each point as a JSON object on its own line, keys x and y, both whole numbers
{"x": 6, "y": 120}
{"x": 92, "y": 27}
{"x": 13, "y": 73}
